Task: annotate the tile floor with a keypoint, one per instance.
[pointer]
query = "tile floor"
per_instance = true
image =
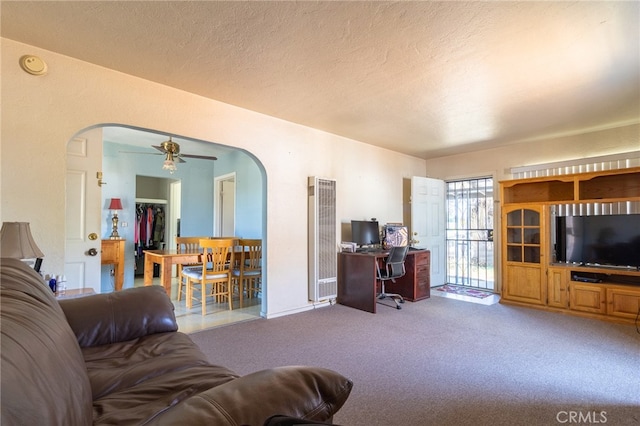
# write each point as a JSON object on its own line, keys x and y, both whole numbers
{"x": 218, "y": 314}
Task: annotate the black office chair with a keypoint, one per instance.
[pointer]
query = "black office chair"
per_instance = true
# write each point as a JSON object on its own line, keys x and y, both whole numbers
{"x": 393, "y": 268}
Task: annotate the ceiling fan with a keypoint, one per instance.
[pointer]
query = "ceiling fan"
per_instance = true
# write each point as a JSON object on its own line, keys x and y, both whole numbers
{"x": 171, "y": 151}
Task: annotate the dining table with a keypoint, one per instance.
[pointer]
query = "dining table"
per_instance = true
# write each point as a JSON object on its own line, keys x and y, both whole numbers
{"x": 166, "y": 259}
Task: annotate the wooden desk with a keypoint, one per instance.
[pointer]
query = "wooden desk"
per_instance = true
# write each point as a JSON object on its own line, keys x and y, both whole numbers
{"x": 113, "y": 254}
{"x": 166, "y": 259}
{"x": 358, "y": 287}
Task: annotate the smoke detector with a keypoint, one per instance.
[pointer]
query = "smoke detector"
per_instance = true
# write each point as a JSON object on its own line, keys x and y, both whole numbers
{"x": 33, "y": 65}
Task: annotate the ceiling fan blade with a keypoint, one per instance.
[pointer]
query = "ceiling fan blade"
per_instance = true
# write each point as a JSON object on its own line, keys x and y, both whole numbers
{"x": 202, "y": 157}
{"x": 159, "y": 148}
{"x": 177, "y": 159}
{"x": 140, "y": 152}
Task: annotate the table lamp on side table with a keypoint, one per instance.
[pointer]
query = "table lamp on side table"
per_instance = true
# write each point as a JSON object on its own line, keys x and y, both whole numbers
{"x": 114, "y": 206}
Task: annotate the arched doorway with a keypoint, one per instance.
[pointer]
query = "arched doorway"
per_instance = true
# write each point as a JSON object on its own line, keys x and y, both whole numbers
{"x": 128, "y": 152}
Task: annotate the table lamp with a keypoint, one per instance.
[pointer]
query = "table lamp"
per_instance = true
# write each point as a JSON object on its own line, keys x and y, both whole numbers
{"x": 16, "y": 242}
{"x": 114, "y": 206}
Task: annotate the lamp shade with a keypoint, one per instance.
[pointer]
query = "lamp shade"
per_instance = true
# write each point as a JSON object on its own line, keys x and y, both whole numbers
{"x": 16, "y": 241}
{"x": 115, "y": 204}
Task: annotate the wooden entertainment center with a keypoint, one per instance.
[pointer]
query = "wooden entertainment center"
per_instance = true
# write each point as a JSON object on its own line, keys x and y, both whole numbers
{"x": 530, "y": 274}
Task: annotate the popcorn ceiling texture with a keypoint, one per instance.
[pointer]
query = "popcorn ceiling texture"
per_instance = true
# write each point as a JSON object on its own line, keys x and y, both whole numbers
{"x": 422, "y": 78}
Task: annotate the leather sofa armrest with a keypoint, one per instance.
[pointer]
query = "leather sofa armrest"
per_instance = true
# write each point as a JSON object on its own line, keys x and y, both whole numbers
{"x": 310, "y": 393}
{"x": 120, "y": 316}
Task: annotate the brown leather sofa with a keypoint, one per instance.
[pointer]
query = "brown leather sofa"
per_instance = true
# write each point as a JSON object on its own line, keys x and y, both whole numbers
{"x": 118, "y": 359}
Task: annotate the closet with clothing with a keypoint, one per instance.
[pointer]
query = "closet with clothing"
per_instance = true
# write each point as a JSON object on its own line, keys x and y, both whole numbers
{"x": 149, "y": 232}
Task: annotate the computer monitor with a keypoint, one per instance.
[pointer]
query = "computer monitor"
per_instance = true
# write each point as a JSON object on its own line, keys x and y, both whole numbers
{"x": 365, "y": 232}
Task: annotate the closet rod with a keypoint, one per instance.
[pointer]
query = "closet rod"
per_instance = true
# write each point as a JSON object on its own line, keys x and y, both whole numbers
{"x": 150, "y": 201}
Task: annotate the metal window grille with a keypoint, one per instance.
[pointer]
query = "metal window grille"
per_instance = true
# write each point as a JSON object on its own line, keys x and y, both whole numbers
{"x": 469, "y": 236}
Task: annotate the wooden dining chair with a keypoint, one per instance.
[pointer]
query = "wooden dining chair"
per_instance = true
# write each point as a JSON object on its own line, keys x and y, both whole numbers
{"x": 217, "y": 258}
{"x": 185, "y": 245}
{"x": 247, "y": 272}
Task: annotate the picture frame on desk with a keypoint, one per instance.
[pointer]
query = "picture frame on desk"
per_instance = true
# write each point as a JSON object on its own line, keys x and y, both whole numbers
{"x": 395, "y": 235}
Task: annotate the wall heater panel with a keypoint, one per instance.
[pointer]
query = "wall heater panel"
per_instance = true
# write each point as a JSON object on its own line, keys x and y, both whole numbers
{"x": 323, "y": 243}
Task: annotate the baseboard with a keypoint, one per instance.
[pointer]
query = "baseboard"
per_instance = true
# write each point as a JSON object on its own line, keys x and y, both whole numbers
{"x": 308, "y": 307}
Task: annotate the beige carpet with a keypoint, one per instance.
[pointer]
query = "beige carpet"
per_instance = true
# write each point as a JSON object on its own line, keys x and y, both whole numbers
{"x": 445, "y": 362}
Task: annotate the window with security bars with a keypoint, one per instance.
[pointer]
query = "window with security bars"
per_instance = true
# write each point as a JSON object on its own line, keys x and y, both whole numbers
{"x": 469, "y": 233}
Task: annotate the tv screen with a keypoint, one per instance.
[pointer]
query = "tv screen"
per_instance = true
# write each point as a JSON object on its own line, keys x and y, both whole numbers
{"x": 365, "y": 233}
{"x": 608, "y": 240}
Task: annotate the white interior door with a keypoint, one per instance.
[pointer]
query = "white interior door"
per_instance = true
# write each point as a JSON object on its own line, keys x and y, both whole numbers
{"x": 175, "y": 205}
{"x": 226, "y": 205}
{"x": 428, "y": 223}
{"x": 83, "y": 211}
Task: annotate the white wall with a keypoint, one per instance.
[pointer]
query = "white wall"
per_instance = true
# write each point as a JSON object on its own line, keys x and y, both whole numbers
{"x": 497, "y": 162}
{"x": 40, "y": 114}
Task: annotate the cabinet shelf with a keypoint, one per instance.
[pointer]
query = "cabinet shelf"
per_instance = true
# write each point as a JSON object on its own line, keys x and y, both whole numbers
{"x": 615, "y": 273}
{"x": 610, "y": 185}
{"x": 622, "y": 185}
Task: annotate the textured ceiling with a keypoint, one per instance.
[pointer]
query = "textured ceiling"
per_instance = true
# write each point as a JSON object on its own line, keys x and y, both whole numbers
{"x": 423, "y": 78}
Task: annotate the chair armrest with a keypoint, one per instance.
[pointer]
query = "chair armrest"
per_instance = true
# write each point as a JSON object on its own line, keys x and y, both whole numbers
{"x": 310, "y": 393}
{"x": 120, "y": 316}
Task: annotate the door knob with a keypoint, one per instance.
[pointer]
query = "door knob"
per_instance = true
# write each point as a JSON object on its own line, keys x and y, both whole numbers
{"x": 92, "y": 252}
{"x": 93, "y": 236}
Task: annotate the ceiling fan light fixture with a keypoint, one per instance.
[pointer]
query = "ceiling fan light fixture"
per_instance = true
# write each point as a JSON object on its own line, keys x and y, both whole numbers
{"x": 169, "y": 163}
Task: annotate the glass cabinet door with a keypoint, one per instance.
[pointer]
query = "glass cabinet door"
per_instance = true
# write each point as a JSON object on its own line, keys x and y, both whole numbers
{"x": 523, "y": 236}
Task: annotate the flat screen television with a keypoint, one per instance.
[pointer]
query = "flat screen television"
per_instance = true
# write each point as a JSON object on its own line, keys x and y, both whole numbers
{"x": 608, "y": 240}
{"x": 365, "y": 233}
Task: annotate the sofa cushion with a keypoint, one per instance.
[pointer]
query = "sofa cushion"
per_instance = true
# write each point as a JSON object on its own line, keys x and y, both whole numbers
{"x": 120, "y": 316}
{"x": 121, "y": 366}
{"x": 44, "y": 379}
{"x": 134, "y": 381}
{"x": 305, "y": 392}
